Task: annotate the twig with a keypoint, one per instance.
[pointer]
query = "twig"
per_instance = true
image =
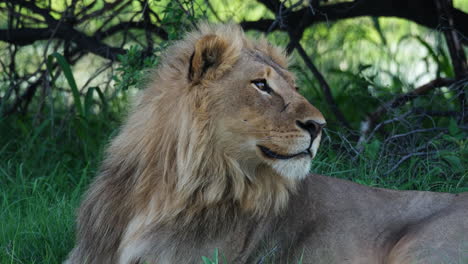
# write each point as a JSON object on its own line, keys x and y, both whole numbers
{"x": 457, "y": 54}
{"x": 210, "y": 7}
{"x": 269, "y": 253}
{"x": 283, "y": 14}
{"x": 189, "y": 15}
{"x": 407, "y": 157}
{"x": 370, "y": 123}
{"x": 124, "y": 26}
{"x": 25, "y": 97}
{"x": 107, "y": 6}
{"x": 146, "y": 22}
{"x": 95, "y": 75}
{"x": 422, "y": 130}
{"x": 323, "y": 83}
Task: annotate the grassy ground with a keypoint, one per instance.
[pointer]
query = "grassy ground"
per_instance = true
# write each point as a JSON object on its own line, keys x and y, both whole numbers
{"x": 45, "y": 169}
{"x": 43, "y": 173}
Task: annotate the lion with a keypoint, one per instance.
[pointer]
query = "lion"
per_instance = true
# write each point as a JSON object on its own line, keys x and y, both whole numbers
{"x": 215, "y": 155}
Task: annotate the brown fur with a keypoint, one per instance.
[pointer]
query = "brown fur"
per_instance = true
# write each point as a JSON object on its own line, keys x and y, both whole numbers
{"x": 186, "y": 174}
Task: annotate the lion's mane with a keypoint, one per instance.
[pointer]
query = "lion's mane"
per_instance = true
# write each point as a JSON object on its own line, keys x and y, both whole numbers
{"x": 164, "y": 163}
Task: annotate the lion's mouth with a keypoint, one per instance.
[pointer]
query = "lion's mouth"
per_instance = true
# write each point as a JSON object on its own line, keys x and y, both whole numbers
{"x": 271, "y": 154}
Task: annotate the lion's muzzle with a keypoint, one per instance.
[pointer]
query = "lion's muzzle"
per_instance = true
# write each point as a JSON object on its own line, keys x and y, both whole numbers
{"x": 311, "y": 126}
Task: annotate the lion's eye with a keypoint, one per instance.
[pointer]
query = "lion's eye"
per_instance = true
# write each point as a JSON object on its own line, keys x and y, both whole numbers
{"x": 262, "y": 85}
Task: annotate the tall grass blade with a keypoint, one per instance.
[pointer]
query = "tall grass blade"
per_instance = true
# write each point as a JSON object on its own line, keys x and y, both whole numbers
{"x": 103, "y": 99}
{"x": 88, "y": 102}
{"x": 69, "y": 76}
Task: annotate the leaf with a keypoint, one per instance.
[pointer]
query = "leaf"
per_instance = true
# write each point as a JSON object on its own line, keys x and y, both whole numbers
{"x": 453, "y": 127}
{"x": 206, "y": 260}
{"x": 216, "y": 256}
{"x": 69, "y": 76}
{"x": 102, "y": 97}
{"x": 88, "y": 102}
{"x": 372, "y": 149}
{"x": 454, "y": 162}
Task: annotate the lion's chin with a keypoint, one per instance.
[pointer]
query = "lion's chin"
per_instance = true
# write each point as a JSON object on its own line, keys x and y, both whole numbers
{"x": 295, "y": 169}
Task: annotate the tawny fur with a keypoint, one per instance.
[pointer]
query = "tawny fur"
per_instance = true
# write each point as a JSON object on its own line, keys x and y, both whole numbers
{"x": 185, "y": 174}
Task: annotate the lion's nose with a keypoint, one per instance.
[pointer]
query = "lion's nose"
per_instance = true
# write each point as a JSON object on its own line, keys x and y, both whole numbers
{"x": 311, "y": 126}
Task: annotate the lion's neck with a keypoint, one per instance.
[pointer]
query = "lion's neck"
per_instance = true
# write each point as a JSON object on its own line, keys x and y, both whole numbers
{"x": 216, "y": 191}
{"x": 182, "y": 172}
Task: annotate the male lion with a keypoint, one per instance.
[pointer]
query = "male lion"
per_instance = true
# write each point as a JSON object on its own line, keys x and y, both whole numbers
{"x": 215, "y": 154}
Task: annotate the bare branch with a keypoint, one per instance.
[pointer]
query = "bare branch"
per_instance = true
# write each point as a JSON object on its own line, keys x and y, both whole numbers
{"x": 25, "y": 36}
{"x": 457, "y": 54}
{"x": 370, "y": 122}
{"x": 323, "y": 83}
{"x": 421, "y": 130}
{"x": 123, "y": 26}
{"x": 26, "y": 96}
{"x": 107, "y": 6}
{"x": 295, "y": 35}
{"x": 406, "y": 157}
{"x": 45, "y": 13}
{"x": 57, "y": 29}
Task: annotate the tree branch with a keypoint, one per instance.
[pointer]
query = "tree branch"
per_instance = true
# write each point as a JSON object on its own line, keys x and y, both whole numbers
{"x": 422, "y": 12}
{"x": 64, "y": 31}
{"x": 61, "y": 30}
{"x": 323, "y": 83}
{"x": 25, "y": 36}
{"x": 135, "y": 25}
{"x": 45, "y": 13}
{"x": 25, "y": 97}
{"x": 457, "y": 54}
{"x": 105, "y": 8}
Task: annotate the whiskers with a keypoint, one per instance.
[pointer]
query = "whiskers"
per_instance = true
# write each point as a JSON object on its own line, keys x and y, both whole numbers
{"x": 270, "y": 137}
{"x": 266, "y": 139}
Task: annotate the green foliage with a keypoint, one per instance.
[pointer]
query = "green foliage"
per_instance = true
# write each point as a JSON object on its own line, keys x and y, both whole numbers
{"x": 214, "y": 260}
{"x": 132, "y": 70}
{"x": 372, "y": 149}
{"x": 176, "y": 18}
{"x": 444, "y": 171}
{"x": 132, "y": 67}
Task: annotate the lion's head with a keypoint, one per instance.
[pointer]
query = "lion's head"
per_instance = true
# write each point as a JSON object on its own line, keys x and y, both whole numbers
{"x": 221, "y": 120}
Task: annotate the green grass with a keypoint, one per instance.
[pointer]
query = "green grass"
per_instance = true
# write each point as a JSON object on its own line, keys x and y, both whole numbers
{"x": 44, "y": 170}
{"x": 42, "y": 177}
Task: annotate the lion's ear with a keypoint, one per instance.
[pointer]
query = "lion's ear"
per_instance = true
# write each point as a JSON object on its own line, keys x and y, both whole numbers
{"x": 211, "y": 58}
